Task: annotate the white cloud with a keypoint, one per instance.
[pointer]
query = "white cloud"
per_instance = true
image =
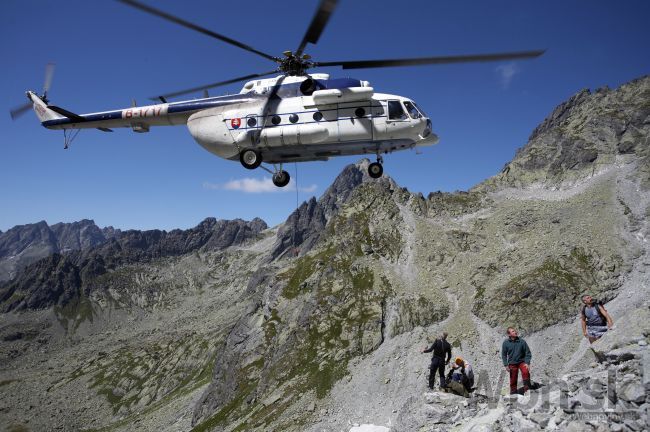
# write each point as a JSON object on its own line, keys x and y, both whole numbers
{"x": 507, "y": 72}
{"x": 254, "y": 185}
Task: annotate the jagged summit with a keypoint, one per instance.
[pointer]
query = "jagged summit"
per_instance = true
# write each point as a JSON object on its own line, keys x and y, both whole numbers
{"x": 589, "y": 132}
{"x": 304, "y": 226}
{"x": 25, "y": 244}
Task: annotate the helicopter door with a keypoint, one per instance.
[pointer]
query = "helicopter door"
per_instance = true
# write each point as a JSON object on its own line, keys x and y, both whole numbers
{"x": 395, "y": 122}
{"x": 355, "y": 122}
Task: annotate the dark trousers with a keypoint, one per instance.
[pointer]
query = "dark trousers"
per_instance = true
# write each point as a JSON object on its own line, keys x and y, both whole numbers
{"x": 437, "y": 364}
{"x": 514, "y": 375}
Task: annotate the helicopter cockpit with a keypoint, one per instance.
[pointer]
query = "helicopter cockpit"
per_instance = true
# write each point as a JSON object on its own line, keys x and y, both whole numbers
{"x": 403, "y": 110}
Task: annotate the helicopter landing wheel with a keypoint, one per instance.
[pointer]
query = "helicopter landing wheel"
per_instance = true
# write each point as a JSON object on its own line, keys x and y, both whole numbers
{"x": 375, "y": 170}
{"x": 281, "y": 178}
{"x": 250, "y": 158}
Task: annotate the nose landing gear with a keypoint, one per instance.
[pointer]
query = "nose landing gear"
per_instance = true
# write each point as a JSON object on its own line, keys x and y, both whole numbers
{"x": 376, "y": 169}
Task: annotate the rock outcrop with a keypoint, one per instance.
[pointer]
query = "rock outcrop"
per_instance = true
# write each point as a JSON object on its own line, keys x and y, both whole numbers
{"x": 582, "y": 136}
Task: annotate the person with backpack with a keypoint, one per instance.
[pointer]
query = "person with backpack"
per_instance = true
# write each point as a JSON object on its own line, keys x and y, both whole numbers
{"x": 441, "y": 356}
{"x": 516, "y": 357}
{"x": 461, "y": 372}
{"x": 463, "y": 368}
{"x": 595, "y": 319}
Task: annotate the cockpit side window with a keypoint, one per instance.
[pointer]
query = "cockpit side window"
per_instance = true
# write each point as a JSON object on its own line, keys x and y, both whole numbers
{"x": 395, "y": 111}
{"x": 412, "y": 110}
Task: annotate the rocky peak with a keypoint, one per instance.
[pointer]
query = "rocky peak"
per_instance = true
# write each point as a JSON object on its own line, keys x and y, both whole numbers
{"x": 304, "y": 226}
{"x": 561, "y": 113}
{"x": 25, "y": 244}
{"x": 587, "y": 133}
{"x": 77, "y": 235}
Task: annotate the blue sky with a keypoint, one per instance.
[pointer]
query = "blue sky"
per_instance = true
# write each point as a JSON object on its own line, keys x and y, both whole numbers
{"x": 107, "y": 54}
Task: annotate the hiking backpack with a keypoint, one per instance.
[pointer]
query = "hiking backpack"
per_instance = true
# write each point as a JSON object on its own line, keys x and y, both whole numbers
{"x": 597, "y": 304}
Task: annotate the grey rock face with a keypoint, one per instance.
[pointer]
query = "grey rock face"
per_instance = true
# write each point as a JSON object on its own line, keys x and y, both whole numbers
{"x": 80, "y": 235}
{"x": 25, "y": 244}
{"x": 632, "y": 392}
{"x": 582, "y": 135}
{"x": 304, "y": 227}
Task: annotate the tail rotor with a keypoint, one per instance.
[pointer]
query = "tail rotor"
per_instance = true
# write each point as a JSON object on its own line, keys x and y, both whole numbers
{"x": 22, "y": 109}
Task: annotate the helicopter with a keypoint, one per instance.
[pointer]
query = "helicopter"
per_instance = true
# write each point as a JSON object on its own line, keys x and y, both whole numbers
{"x": 295, "y": 116}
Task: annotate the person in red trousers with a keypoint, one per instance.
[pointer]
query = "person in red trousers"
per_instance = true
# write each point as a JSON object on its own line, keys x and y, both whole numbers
{"x": 516, "y": 357}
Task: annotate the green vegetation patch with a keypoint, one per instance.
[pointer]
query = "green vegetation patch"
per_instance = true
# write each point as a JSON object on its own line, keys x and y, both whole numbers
{"x": 134, "y": 379}
{"x": 545, "y": 295}
{"x": 455, "y": 204}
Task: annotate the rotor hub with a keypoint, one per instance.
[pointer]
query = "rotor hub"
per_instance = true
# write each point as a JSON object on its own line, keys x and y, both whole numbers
{"x": 293, "y": 65}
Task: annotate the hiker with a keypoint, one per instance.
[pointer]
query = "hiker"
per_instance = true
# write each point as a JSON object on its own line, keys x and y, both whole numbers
{"x": 440, "y": 348}
{"x": 462, "y": 372}
{"x": 595, "y": 319}
{"x": 454, "y": 384}
{"x": 516, "y": 357}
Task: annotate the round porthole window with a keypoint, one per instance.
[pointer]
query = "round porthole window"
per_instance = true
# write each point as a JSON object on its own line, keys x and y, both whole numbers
{"x": 360, "y": 112}
{"x": 275, "y": 120}
{"x": 293, "y": 118}
{"x": 252, "y": 121}
{"x": 318, "y": 116}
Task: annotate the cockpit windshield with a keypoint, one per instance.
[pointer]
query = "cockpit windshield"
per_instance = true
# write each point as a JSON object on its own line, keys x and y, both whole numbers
{"x": 420, "y": 109}
{"x": 412, "y": 110}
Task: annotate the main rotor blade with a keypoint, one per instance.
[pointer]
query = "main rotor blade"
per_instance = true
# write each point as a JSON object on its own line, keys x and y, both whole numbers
{"x": 272, "y": 94}
{"x": 318, "y": 23}
{"x": 433, "y": 60}
{"x": 49, "y": 74}
{"x": 213, "y": 85}
{"x": 174, "y": 19}
{"x": 20, "y": 110}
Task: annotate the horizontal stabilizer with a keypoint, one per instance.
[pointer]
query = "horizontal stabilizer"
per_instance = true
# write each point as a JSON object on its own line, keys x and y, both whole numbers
{"x": 105, "y": 129}
{"x": 66, "y": 113}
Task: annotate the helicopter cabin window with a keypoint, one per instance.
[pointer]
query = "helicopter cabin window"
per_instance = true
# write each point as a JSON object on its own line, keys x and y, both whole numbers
{"x": 252, "y": 121}
{"x": 412, "y": 110}
{"x": 275, "y": 120}
{"x": 395, "y": 111}
{"x": 293, "y": 118}
{"x": 318, "y": 116}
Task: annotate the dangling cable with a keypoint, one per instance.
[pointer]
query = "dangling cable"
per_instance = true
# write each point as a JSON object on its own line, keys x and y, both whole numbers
{"x": 295, "y": 222}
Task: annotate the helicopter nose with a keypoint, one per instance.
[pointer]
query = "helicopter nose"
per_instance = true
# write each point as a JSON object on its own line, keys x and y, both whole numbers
{"x": 427, "y": 129}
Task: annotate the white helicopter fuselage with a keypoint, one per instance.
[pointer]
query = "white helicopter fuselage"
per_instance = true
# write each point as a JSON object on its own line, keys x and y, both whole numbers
{"x": 335, "y": 118}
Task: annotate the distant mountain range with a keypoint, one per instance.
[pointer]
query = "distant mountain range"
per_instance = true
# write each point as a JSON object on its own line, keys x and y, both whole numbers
{"x": 25, "y": 244}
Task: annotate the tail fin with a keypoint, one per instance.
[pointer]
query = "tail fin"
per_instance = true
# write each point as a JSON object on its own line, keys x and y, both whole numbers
{"x": 41, "y": 109}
